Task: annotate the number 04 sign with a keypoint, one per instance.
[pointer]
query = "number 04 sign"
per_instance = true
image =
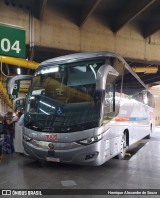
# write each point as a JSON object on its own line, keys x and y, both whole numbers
{"x": 12, "y": 41}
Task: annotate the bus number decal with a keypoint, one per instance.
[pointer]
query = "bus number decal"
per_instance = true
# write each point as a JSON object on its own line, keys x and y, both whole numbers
{"x": 51, "y": 137}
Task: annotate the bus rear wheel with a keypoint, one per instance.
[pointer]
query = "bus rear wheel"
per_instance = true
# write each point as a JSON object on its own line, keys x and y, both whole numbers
{"x": 123, "y": 147}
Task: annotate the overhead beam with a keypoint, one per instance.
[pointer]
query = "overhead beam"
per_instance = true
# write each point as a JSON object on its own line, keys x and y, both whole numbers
{"x": 130, "y": 12}
{"x": 152, "y": 25}
{"x": 42, "y": 6}
{"x": 39, "y": 7}
{"x": 150, "y": 78}
{"x": 151, "y": 30}
{"x": 89, "y": 11}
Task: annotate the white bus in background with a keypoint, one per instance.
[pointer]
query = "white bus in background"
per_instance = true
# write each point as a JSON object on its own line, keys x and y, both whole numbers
{"x": 85, "y": 109}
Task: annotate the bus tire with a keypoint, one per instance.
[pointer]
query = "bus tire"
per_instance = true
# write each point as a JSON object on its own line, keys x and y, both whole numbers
{"x": 123, "y": 147}
{"x": 149, "y": 135}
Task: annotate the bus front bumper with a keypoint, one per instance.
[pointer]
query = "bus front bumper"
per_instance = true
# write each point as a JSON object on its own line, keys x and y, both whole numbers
{"x": 93, "y": 154}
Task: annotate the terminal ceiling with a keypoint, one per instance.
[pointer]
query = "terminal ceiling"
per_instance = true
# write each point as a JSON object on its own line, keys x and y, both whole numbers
{"x": 144, "y": 15}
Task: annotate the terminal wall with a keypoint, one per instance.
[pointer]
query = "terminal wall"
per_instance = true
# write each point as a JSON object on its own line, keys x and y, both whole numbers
{"x": 59, "y": 32}
{"x": 157, "y": 111}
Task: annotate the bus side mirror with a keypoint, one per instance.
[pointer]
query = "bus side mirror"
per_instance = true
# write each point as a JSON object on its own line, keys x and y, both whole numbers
{"x": 11, "y": 82}
{"x": 18, "y": 104}
{"x": 102, "y": 75}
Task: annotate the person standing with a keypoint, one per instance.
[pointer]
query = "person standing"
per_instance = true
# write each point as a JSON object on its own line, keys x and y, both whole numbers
{"x": 1, "y": 134}
{"x": 1, "y": 124}
{"x": 18, "y": 141}
{"x": 8, "y": 146}
{"x": 21, "y": 120}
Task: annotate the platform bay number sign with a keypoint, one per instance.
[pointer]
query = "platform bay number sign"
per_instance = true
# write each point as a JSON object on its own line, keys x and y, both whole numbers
{"x": 12, "y": 41}
{"x": 15, "y": 89}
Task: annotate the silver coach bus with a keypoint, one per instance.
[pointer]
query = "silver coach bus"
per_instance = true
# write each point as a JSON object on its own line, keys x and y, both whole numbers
{"x": 85, "y": 108}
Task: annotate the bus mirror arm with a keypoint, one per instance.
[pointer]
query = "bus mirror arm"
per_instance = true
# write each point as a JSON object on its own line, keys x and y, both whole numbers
{"x": 11, "y": 82}
{"x": 102, "y": 75}
{"x": 113, "y": 72}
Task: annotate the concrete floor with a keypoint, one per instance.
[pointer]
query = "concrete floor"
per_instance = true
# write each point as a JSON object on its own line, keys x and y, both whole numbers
{"x": 141, "y": 171}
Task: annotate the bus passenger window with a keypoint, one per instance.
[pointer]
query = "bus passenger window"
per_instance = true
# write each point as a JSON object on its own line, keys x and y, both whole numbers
{"x": 151, "y": 101}
{"x": 145, "y": 98}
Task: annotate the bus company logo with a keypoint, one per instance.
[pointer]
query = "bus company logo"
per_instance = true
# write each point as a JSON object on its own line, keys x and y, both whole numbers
{"x": 51, "y": 137}
{"x": 51, "y": 146}
{"x": 6, "y": 192}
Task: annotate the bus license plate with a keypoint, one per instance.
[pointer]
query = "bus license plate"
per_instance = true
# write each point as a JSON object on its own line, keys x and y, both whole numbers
{"x": 53, "y": 159}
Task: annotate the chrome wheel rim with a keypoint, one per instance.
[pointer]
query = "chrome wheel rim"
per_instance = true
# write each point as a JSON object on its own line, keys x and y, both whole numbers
{"x": 123, "y": 146}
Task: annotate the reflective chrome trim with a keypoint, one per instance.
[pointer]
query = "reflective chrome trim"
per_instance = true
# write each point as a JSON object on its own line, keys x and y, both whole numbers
{"x": 57, "y": 146}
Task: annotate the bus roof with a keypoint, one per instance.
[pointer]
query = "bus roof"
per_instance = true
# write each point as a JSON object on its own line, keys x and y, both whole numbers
{"x": 87, "y": 55}
{"x": 79, "y": 56}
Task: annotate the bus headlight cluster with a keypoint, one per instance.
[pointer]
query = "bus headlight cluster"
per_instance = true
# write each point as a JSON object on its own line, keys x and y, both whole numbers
{"x": 91, "y": 140}
{"x": 27, "y": 139}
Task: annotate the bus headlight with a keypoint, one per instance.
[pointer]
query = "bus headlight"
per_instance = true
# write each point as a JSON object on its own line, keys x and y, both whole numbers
{"x": 27, "y": 139}
{"x": 91, "y": 140}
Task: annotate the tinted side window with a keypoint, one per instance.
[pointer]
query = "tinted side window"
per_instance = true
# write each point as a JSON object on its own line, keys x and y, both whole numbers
{"x": 138, "y": 97}
{"x": 131, "y": 86}
{"x": 151, "y": 101}
{"x": 113, "y": 91}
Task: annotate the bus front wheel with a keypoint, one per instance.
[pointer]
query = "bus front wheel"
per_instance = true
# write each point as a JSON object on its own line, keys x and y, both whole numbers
{"x": 123, "y": 147}
{"x": 149, "y": 135}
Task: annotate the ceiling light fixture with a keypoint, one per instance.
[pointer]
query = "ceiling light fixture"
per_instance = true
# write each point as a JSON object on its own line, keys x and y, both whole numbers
{"x": 18, "y": 71}
{"x": 147, "y": 70}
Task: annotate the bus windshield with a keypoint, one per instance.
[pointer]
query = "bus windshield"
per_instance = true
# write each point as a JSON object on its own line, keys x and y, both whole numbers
{"x": 62, "y": 97}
